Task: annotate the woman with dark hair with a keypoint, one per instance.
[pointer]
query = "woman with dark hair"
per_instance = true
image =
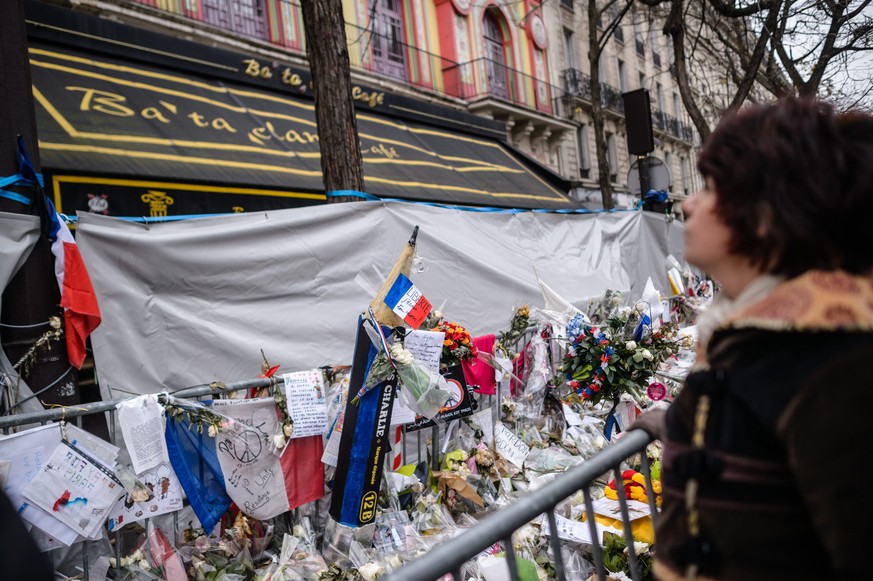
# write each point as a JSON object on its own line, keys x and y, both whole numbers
{"x": 761, "y": 445}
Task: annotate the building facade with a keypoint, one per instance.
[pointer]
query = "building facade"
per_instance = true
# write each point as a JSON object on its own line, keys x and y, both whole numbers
{"x": 518, "y": 67}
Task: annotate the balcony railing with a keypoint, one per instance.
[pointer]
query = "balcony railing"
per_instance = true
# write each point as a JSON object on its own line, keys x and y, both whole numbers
{"x": 578, "y": 84}
{"x": 672, "y": 126}
{"x": 389, "y": 56}
{"x": 485, "y": 77}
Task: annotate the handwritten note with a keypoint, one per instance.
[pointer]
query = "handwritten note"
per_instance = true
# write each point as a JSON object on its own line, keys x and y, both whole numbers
{"x": 509, "y": 445}
{"x": 407, "y": 302}
{"x": 426, "y": 347}
{"x": 74, "y": 489}
{"x": 253, "y": 475}
{"x": 28, "y": 451}
{"x": 142, "y": 425}
{"x": 307, "y": 406}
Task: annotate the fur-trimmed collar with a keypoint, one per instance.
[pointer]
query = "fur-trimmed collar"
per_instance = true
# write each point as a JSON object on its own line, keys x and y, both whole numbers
{"x": 814, "y": 301}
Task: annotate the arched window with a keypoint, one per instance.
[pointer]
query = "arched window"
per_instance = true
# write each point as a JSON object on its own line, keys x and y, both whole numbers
{"x": 389, "y": 54}
{"x": 495, "y": 56}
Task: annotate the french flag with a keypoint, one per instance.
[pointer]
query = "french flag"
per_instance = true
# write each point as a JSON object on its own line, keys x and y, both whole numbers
{"x": 81, "y": 313}
{"x": 407, "y": 301}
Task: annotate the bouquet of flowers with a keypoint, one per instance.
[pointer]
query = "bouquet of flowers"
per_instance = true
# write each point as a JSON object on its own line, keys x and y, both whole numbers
{"x": 517, "y": 328}
{"x": 457, "y": 346}
{"x": 616, "y": 357}
{"x": 425, "y": 392}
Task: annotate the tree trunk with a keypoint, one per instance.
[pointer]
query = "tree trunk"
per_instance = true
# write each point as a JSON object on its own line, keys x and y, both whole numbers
{"x": 603, "y": 169}
{"x": 341, "y": 160}
{"x": 32, "y": 296}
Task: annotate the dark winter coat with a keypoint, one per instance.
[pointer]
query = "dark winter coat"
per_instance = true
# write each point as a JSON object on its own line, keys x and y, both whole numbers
{"x": 782, "y": 398}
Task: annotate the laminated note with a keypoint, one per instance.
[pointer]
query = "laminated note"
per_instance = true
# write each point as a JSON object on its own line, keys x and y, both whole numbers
{"x": 75, "y": 489}
{"x": 307, "y": 406}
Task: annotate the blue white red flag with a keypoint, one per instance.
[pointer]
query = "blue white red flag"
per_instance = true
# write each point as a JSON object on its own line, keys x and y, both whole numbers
{"x": 406, "y": 300}
{"x": 81, "y": 312}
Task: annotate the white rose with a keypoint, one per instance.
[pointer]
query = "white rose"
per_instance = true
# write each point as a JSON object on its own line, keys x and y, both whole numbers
{"x": 631, "y": 345}
{"x": 212, "y": 431}
{"x": 638, "y": 356}
{"x": 288, "y": 429}
{"x": 279, "y": 441}
{"x": 370, "y": 571}
{"x": 647, "y": 354}
{"x": 400, "y": 355}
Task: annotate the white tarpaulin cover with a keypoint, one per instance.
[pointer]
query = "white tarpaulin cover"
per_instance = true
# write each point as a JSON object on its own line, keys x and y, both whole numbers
{"x": 194, "y": 301}
{"x": 18, "y": 236}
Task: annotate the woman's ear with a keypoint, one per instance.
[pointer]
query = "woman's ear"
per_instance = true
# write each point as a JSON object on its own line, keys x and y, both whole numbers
{"x": 765, "y": 221}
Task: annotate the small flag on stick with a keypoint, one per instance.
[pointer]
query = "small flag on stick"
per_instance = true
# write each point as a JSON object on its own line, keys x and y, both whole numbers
{"x": 384, "y": 313}
{"x": 407, "y": 302}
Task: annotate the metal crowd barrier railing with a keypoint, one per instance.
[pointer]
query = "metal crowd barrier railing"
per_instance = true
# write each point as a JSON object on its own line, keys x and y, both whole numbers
{"x": 451, "y": 556}
{"x": 543, "y": 500}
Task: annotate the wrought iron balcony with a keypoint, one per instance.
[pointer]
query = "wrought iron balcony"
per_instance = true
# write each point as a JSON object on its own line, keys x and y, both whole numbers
{"x": 578, "y": 84}
{"x": 485, "y": 77}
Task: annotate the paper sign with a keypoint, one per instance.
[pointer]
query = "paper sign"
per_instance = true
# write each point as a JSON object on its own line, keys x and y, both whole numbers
{"x": 28, "y": 451}
{"x": 509, "y": 446}
{"x": 407, "y": 301}
{"x": 166, "y": 497}
{"x": 426, "y": 347}
{"x": 574, "y": 530}
{"x": 75, "y": 489}
{"x": 253, "y": 475}
{"x": 142, "y": 425}
{"x": 612, "y": 509}
{"x": 92, "y": 445}
{"x": 307, "y": 406}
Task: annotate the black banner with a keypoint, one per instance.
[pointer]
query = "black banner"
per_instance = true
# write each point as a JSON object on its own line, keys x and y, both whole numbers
{"x": 364, "y": 441}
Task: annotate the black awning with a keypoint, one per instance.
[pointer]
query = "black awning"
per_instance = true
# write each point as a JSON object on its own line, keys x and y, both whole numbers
{"x": 103, "y": 116}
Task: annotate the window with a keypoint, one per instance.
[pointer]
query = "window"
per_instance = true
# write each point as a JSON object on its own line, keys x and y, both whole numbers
{"x": 242, "y": 16}
{"x": 638, "y": 36}
{"x": 611, "y": 157}
{"x": 389, "y": 55}
{"x": 683, "y": 168}
{"x": 659, "y": 95}
{"x": 642, "y": 80}
{"x": 668, "y": 161}
{"x": 622, "y": 81}
{"x": 569, "y": 49}
{"x": 618, "y": 32}
{"x": 495, "y": 56}
{"x": 653, "y": 38}
{"x": 584, "y": 152}
{"x": 677, "y": 106}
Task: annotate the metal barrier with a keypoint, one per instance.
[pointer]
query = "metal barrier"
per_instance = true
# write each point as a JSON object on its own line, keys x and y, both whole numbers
{"x": 450, "y": 557}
